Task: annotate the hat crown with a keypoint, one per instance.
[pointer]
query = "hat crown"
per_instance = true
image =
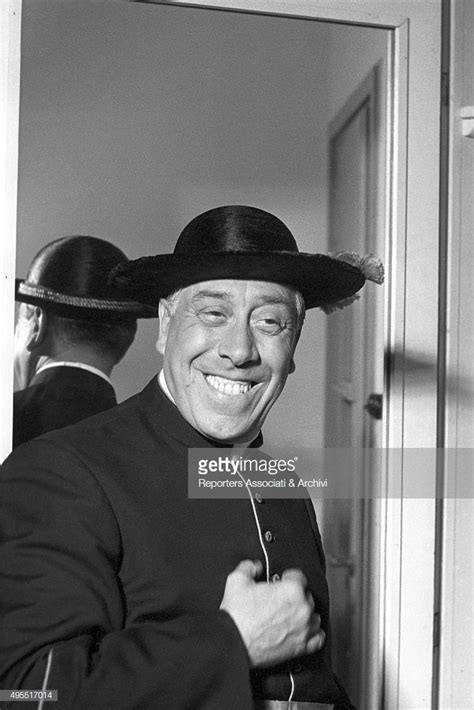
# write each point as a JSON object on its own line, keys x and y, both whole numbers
{"x": 76, "y": 266}
{"x": 239, "y": 242}
{"x": 235, "y": 228}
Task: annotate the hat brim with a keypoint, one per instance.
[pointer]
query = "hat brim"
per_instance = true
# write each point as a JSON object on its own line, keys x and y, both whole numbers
{"x": 97, "y": 309}
{"x": 321, "y": 279}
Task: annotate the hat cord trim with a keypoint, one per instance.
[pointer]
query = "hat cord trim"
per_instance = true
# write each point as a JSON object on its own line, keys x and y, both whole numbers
{"x": 56, "y": 297}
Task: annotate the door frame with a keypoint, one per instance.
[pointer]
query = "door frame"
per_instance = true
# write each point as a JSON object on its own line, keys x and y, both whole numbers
{"x": 401, "y": 667}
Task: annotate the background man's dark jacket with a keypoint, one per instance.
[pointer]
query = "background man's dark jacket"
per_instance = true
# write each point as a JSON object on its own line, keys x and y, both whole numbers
{"x": 57, "y": 397}
{"x": 110, "y": 565}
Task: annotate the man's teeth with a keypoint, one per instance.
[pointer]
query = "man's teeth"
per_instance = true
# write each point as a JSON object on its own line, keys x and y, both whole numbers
{"x": 228, "y": 386}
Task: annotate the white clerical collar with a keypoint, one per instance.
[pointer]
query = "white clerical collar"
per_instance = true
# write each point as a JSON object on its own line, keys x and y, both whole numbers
{"x": 80, "y": 365}
{"x": 165, "y": 388}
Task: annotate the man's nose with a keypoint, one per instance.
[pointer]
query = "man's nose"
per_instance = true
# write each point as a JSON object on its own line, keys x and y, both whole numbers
{"x": 238, "y": 344}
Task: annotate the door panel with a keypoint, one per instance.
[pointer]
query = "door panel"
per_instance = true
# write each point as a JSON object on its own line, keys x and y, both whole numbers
{"x": 355, "y": 144}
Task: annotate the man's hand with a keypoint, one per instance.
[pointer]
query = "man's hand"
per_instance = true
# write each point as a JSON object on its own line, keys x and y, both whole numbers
{"x": 276, "y": 621}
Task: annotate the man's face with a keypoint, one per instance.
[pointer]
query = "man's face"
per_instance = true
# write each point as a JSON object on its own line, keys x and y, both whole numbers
{"x": 228, "y": 349}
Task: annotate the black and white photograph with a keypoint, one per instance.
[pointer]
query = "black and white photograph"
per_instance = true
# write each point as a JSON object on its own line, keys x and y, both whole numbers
{"x": 237, "y": 466}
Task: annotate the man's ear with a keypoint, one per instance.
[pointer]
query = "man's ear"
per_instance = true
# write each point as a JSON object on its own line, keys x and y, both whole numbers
{"x": 164, "y": 314}
{"x": 38, "y": 328}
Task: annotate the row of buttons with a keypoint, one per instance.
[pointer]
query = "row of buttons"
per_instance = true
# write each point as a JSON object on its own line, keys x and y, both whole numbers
{"x": 268, "y": 536}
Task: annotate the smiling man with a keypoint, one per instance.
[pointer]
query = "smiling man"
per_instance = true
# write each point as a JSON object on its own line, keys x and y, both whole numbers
{"x": 228, "y": 348}
{"x": 118, "y": 590}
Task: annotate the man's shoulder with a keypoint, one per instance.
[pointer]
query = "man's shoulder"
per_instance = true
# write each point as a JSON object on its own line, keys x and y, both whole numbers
{"x": 29, "y": 407}
{"x": 126, "y": 418}
{"x": 20, "y": 397}
{"x": 57, "y": 383}
{"x": 117, "y": 426}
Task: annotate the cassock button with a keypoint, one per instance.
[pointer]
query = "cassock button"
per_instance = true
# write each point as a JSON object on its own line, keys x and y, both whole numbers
{"x": 268, "y": 536}
{"x": 297, "y": 668}
{"x": 258, "y": 498}
{"x": 275, "y": 577}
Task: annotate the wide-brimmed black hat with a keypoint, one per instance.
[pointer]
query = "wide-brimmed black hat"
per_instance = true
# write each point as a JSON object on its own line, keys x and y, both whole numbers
{"x": 239, "y": 242}
{"x": 70, "y": 276}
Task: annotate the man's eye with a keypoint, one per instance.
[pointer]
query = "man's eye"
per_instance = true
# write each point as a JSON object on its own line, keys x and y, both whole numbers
{"x": 269, "y": 325}
{"x": 212, "y": 316}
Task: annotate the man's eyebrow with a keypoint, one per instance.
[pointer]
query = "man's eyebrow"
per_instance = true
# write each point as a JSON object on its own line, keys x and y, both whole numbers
{"x": 201, "y": 295}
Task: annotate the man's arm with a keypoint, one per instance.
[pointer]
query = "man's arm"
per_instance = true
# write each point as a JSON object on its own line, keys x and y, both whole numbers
{"x": 64, "y": 614}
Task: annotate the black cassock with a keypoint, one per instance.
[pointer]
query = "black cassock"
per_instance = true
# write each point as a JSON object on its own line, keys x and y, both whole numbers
{"x": 57, "y": 397}
{"x": 112, "y": 577}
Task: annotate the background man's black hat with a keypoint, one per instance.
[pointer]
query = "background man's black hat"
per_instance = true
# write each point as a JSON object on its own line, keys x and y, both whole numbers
{"x": 239, "y": 242}
{"x": 70, "y": 277}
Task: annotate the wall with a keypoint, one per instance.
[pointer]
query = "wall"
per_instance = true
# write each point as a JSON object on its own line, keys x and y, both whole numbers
{"x": 352, "y": 53}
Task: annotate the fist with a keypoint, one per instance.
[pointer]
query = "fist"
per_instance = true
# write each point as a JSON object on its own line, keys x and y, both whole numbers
{"x": 277, "y": 622}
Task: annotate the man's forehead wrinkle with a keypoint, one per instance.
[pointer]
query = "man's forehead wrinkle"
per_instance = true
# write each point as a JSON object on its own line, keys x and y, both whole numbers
{"x": 282, "y": 297}
{"x": 278, "y": 300}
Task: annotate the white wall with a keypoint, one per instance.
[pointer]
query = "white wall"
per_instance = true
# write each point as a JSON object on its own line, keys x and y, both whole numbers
{"x": 352, "y": 53}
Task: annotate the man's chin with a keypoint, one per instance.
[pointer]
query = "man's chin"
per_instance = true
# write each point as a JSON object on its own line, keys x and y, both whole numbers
{"x": 225, "y": 437}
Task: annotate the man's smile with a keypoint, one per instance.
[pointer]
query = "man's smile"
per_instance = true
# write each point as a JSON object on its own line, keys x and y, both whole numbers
{"x": 228, "y": 387}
